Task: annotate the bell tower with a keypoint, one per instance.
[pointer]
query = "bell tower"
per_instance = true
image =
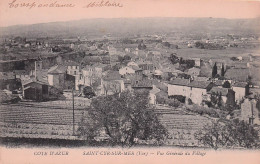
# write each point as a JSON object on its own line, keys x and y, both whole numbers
{"x": 38, "y": 69}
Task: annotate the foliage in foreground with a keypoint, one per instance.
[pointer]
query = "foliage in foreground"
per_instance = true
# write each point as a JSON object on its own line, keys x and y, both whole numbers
{"x": 125, "y": 118}
{"x": 230, "y": 134}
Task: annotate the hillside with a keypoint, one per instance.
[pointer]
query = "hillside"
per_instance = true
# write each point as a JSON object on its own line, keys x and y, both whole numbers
{"x": 131, "y": 26}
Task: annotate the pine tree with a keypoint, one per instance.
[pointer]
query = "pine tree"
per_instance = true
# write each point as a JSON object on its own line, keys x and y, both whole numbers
{"x": 214, "y": 70}
{"x": 222, "y": 71}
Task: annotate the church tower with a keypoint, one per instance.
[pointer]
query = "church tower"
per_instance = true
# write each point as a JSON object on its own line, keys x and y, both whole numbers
{"x": 38, "y": 69}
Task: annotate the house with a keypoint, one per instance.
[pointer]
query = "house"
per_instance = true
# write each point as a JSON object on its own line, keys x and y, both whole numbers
{"x": 73, "y": 68}
{"x": 111, "y": 83}
{"x": 56, "y": 76}
{"x": 142, "y": 84}
{"x": 179, "y": 87}
{"x": 241, "y": 89}
{"x": 35, "y": 90}
{"x": 193, "y": 71}
{"x": 130, "y": 70}
{"x": 7, "y": 75}
{"x": 131, "y": 63}
{"x": 193, "y": 90}
{"x": 147, "y": 66}
{"x": 152, "y": 95}
{"x": 227, "y": 95}
{"x": 95, "y": 70}
{"x": 145, "y": 84}
{"x": 198, "y": 90}
{"x": 8, "y": 81}
{"x": 91, "y": 74}
{"x": 158, "y": 74}
{"x": 250, "y": 112}
{"x": 237, "y": 74}
{"x": 21, "y": 74}
{"x": 197, "y": 62}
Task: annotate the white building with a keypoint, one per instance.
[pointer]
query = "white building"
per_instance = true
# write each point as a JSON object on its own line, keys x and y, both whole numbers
{"x": 129, "y": 70}
{"x": 195, "y": 90}
{"x": 179, "y": 87}
{"x": 241, "y": 89}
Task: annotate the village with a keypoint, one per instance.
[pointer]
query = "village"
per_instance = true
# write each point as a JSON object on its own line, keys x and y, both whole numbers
{"x": 69, "y": 73}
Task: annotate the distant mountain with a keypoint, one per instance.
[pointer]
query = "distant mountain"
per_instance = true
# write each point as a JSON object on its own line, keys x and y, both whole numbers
{"x": 130, "y": 26}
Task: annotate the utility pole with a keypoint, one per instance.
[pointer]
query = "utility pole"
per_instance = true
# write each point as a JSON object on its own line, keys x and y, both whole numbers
{"x": 73, "y": 124}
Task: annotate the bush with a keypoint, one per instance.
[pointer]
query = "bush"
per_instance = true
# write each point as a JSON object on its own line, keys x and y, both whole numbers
{"x": 180, "y": 98}
{"x": 203, "y": 110}
{"x": 228, "y": 134}
{"x": 173, "y": 103}
{"x": 88, "y": 92}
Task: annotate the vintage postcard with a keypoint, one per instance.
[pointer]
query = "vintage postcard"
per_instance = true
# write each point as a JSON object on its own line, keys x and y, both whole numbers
{"x": 124, "y": 81}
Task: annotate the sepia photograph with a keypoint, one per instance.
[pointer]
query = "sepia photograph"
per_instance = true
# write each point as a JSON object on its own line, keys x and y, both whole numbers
{"x": 119, "y": 81}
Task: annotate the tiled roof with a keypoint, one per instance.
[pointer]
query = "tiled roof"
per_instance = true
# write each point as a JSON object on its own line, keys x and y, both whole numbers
{"x": 35, "y": 81}
{"x": 135, "y": 68}
{"x": 199, "y": 84}
{"x": 21, "y": 72}
{"x": 155, "y": 90}
{"x": 237, "y": 74}
{"x": 240, "y": 84}
{"x": 142, "y": 84}
{"x": 58, "y": 69}
{"x": 112, "y": 75}
{"x": 182, "y": 82}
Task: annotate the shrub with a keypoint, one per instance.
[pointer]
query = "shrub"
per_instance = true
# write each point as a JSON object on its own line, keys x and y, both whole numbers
{"x": 180, "y": 98}
{"x": 173, "y": 103}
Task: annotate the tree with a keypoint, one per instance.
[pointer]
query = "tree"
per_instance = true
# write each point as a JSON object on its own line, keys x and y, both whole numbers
{"x": 226, "y": 84}
{"x": 125, "y": 118}
{"x": 228, "y": 134}
{"x": 214, "y": 70}
{"x": 222, "y": 70}
{"x": 173, "y": 58}
{"x": 124, "y": 59}
{"x": 88, "y": 92}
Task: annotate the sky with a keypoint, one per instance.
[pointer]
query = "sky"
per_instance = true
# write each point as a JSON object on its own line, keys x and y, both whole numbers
{"x": 9, "y": 15}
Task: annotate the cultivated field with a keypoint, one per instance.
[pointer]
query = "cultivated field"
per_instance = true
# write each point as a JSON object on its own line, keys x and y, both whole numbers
{"x": 35, "y": 120}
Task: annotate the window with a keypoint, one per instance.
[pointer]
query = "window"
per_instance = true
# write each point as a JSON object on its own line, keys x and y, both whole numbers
{"x": 251, "y": 121}
{"x": 75, "y": 72}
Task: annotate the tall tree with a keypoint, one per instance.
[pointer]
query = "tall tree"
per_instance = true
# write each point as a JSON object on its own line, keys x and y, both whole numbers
{"x": 214, "y": 70}
{"x": 222, "y": 70}
{"x": 124, "y": 118}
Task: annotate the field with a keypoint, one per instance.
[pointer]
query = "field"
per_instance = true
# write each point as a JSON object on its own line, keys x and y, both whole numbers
{"x": 35, "y": 120}
{"x": 224, "y": 54}
{"x": 181, "y": 126}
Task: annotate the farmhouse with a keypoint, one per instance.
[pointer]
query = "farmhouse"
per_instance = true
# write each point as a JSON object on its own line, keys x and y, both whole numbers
{"x": 199, "y": 89}
{"x": 56, "y": 76}
{"x": 35, "y": 90}
{"x": 241, "y": 89}
{"x": 179, "y": 87}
